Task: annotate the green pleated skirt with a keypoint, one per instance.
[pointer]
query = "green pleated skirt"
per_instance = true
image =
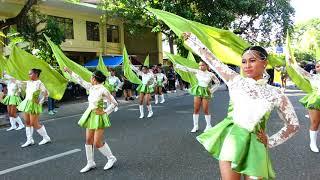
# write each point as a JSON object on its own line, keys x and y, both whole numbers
{"x": 11, "y": 100}
{"x": 90, "y": 120}
{"x": 29, "y": 106}
{"x": 229, "y": 142}
{"x": 145, "y": 89}
{"x": 311, "y": 101}
{"x": 199, "y": 91}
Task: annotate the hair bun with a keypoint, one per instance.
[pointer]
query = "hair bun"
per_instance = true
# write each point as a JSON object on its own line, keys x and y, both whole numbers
{"x": 99, "y": 76}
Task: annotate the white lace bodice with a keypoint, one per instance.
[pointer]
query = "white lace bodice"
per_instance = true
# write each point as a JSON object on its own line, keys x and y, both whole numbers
{"x": 147, "y": 78}
{"x": 96, "y": 94}
{"x": 160, "y": 77}
{"x": 252, "y": 99}
{"x": 32, "y": 87}
{"x": 12, "y": 87}
{"x": 204, "y": 78}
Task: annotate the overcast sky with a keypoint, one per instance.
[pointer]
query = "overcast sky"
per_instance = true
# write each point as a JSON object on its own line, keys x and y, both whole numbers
{"x": 306, "y": 9}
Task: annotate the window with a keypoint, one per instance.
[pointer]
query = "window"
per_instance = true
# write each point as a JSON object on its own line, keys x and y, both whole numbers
{"x": 93, "y": 31}
{"x": 66, "y": 26}
{"x": 113, "y": 34}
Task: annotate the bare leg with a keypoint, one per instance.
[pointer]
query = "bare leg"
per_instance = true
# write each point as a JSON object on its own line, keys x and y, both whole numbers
{"x": 226, "y": 172}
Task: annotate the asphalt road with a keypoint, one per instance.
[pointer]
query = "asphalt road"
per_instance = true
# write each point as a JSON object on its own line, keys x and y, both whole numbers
{"x": 161, "y": 147}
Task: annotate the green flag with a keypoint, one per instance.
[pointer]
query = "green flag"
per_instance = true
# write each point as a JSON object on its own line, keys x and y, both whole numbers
{"x": 146, "y": 61}
{"x": 21, "y": 62}
{"x": 64, "y": 61}
{"x": 191, "y": 57}
{"x": 301, "y": 82}
{"x": 3, "y": 62}
{"x": 224, "y": 44}
{"x": 102, "y": 67}
{"x": 190, "y": 62}
{"x": 127, "y": 71}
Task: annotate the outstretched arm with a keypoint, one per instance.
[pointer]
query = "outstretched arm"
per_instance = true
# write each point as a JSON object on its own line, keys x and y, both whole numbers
{"x": 135, "y": 69}
{"x": 79, "y": 80}
{"x": 186, "y": 69}
{"x": 206, "y": 55}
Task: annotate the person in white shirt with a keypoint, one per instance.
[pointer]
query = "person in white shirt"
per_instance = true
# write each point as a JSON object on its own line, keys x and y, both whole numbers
{"x": 115, "y": 85}
{"x": 240, "y": 142}
{"x": 36, "y": 94}
{"x": 202, "y": 92}
{"x": 161, "y": 80}
{"x": 145, "y": 89}
{"x": 96, "y": 118}
{"x": 312, "y": 103}
{"x": 114, "y": 82}
{"x": 12, "y": 100}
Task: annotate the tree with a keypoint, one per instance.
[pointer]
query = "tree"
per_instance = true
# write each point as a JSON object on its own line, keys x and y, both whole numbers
{"x": 22, "y": 14}
{"x": 31, "y": 30}
{"x": 258, "y": 21}
{"x": 306, "y": 39}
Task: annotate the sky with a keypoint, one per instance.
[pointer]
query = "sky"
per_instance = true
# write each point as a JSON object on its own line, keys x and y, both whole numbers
{"x": 306, "y": 9}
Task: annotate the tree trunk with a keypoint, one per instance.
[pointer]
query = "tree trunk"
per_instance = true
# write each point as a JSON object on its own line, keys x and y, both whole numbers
{"x": 171, "y": 45}
{"x": 21, "y": 15}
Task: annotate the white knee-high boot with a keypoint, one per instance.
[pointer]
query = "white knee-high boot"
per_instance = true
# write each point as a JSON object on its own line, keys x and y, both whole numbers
{"x": 162, "y": 98}
{"x": 12, "y": 123}
{"x": 20, "y": 123}
{"x": 90, "y": 158}
{"x": 156, "y": 97}
{"x": 195, "y": 123}
{"x": 208, "y": 121}
{"x": 141, "y": 111}
{"x": 313, "y": 141}
{"x": 29, "y": 133}
{"x": 105, "y": 150}
{"x": 150, "y": 114}
{"x": 42, "y": 131}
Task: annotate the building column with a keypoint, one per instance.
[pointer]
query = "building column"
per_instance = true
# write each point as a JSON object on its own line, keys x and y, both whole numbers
{"x": 159, "y": 48}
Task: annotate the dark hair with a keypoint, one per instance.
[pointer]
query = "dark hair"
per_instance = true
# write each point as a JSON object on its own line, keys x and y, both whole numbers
{"x": 36, "y": 71}
{"x": 145, "y": 67}
{"x": 261, "y": 51}
{"x": 99, "y": 76}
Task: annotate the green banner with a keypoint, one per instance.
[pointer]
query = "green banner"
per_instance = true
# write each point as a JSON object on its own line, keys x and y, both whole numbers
{"x": 224, "y": 44}
{"x": 301, "y": 82}
{"x": 21, "y": 62}
{"x": 190, "y": 62}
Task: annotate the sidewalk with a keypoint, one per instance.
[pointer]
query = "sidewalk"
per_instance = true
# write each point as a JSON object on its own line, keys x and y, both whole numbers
{"x": 71, "y": 108}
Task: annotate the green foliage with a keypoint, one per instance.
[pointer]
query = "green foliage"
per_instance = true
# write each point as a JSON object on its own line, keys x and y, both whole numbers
{"x": 306, "y": 40}
{"x": 32, "y": 30}
{"x": 250, "y": 18}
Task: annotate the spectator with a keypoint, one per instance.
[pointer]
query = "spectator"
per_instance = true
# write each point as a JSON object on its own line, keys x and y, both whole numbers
{"x": 171, "y": 75}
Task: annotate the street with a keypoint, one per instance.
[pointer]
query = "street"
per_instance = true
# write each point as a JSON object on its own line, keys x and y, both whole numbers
{"x": 160, "y": 147}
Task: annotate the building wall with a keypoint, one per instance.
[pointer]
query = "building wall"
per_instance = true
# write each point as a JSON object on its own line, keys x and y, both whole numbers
{"x": 142, "y": 45}
{"x": 147, "y": 43}
{"x": 80, "y": 42}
